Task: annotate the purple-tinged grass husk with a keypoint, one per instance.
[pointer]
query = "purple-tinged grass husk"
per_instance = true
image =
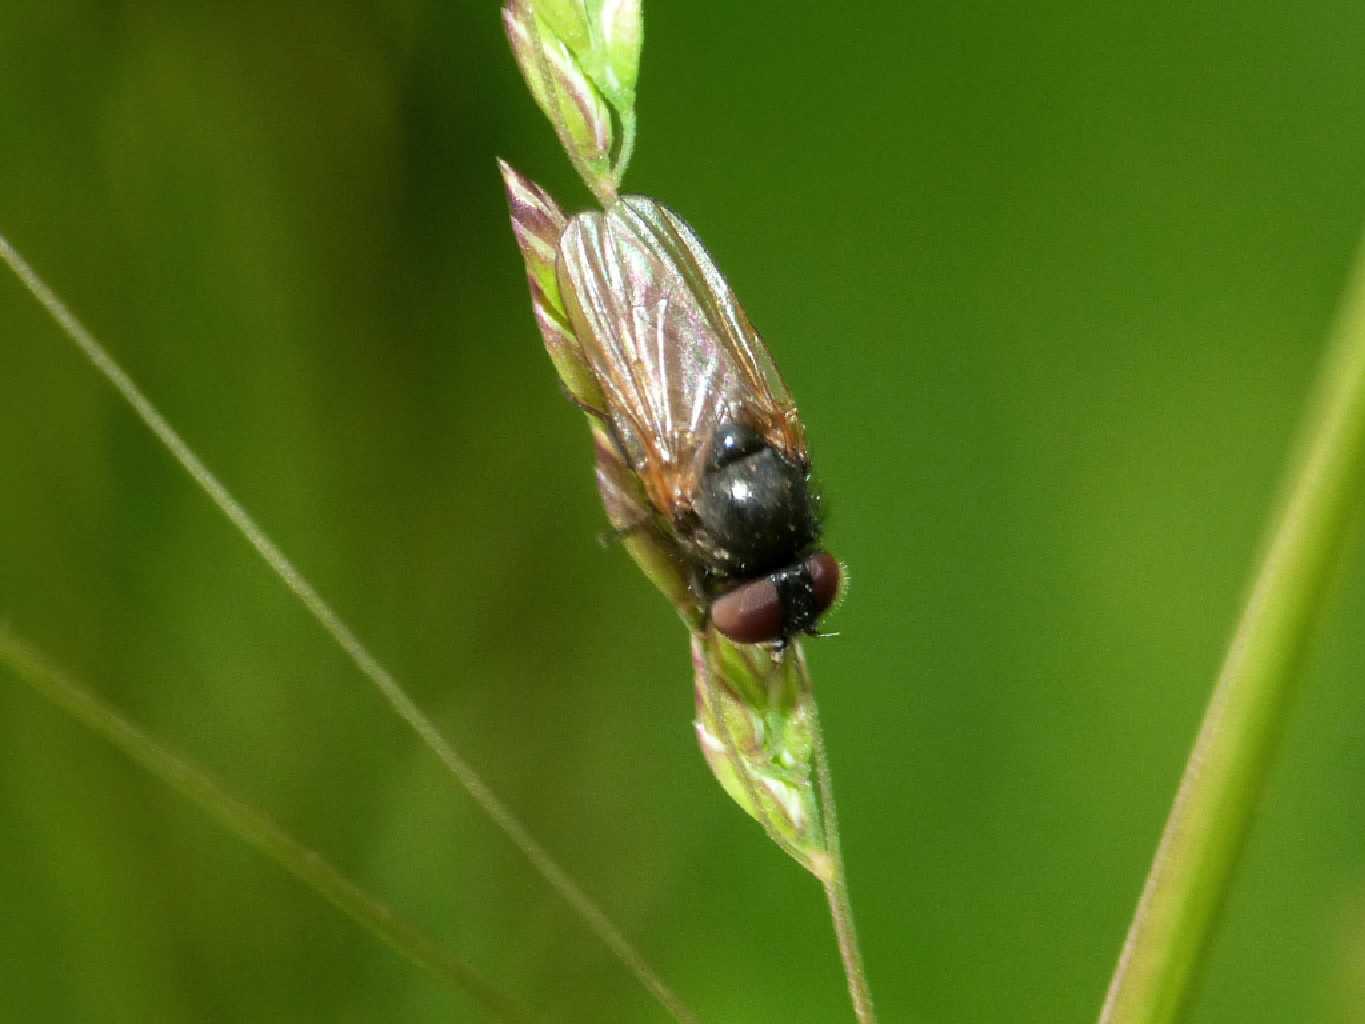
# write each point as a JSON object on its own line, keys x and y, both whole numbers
{"x": 753, "y": 706}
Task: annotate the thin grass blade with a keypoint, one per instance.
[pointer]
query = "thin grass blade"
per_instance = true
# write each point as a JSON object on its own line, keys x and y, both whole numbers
{"x": 252, "y": 826}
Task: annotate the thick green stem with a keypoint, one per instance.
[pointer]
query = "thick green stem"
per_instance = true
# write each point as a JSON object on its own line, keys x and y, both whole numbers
{"x": 1213, "y": 808}
{"x": 250, "y": 825}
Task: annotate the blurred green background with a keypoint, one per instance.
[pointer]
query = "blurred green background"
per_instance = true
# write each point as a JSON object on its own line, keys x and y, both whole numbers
{"x": 1050, "y": 283}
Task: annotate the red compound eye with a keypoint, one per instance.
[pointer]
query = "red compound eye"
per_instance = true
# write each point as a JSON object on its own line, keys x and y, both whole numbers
{"x": 824, "y": 580}
{"x": 751, "y": 614}
{"x": 780, "y": 605}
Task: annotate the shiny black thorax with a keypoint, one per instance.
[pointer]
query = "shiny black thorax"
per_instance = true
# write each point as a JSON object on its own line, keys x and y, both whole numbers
{"x": 757, "y": 512}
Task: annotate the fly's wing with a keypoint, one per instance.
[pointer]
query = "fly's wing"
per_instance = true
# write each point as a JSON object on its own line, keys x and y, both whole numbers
{"x": 667, "y": 340}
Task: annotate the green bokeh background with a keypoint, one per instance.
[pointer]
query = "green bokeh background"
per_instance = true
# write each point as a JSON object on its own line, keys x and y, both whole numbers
{"x": 1050, "y": 283}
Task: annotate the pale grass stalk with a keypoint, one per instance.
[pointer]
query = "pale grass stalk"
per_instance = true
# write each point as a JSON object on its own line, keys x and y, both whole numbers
{"x": 756, "y": 720}
{"x": 836, "y": 882}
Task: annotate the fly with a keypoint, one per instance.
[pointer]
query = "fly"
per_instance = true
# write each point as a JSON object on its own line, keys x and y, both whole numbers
{"x": 697, "y": 408}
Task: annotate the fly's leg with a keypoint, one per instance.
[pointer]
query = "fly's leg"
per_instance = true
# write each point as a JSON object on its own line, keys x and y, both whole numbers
{"x": 615, "y": 534}
{"x": 605, "y": 428}
{"x": 704, "y": 591}
{"x": 600, "y": 415}
{"x": 604, "y": 421}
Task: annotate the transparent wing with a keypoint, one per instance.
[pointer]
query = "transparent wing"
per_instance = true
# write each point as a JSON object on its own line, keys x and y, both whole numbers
{"x": 674, "y": 352}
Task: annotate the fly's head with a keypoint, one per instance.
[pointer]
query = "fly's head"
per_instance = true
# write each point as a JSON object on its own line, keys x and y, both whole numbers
{"x": 759, "y": 513}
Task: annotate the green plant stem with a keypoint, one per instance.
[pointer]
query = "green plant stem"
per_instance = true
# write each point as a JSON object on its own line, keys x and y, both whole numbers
{"x": 1208, "y": 823}
{"x": 460, "y": 770}
{"x": 250, "y": 825}
{"x": 836, "y": 882}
